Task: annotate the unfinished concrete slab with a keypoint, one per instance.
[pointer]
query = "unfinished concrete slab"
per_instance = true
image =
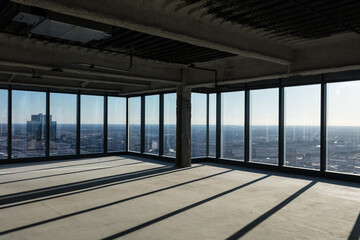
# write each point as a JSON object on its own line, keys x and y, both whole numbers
{"x": 138, "y": 198}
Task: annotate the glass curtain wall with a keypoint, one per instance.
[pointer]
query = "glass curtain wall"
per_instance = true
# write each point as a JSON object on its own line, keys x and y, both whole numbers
{"x": 63, "y": 118}
{"x": 134, "y": 124}
{"x": 92, "y": 124}
{"x": 3, "y": 124}
{"x": 28, "y": 124}
{"x": 198, "y": 124}
{"x": 212, "y": 125}
{"x": 343, "y": 127}
{"x": 116, "y": 136}
{"x": 264, "y": 122}
{"x": 152, "y": 124}
{"x": 232, "y": 125}
{"x": 302, "y": 126}
{"x": 170, "y": 124}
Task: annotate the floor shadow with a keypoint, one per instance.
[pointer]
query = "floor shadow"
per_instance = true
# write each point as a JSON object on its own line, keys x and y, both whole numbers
{"x": 145, "y": 176}
{"x": 269, "y": 213}
{"x": 74, "y": 186}
{"x": 69, "y": 173}
{"x": 171, "y": 214}
{"x": 32, "y": 164}
{"x": 110, "y": 204}
{"x": 284, "y": 174}
{"x": 355, "y": 233}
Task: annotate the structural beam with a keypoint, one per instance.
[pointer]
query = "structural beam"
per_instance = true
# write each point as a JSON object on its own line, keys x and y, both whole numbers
{"x": 183, "y": 127}
{"x": 129, "y": 14}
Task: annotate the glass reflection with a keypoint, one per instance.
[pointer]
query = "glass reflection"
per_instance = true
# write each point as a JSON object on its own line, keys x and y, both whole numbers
{"x": 92, "y": 124}
{"x": 264, "y": 121}
{"x": 198, "y": 124}
{"x": 302, "y": 126}
{"x": 28, "y": 124}
{"x": 212, "y": 125}
{"x": 170, "y": 124}
{"x": 152, "y": 124}
{"x": 116, "y": 124}
{"x": 232, "y": 125}
{"x": 135, "y": 124}
{"x": 63, "y": 124}
{"x": 343, "y": 127}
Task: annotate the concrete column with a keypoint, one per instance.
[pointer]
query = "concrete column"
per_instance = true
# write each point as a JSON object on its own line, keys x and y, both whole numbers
{"x": 183, "y": 127}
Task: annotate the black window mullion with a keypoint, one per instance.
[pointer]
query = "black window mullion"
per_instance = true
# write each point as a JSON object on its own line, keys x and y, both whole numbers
{"x": 9, "y": 150}
{"x": 142, "y": 138}
{"x": 47, "y": 127}
{"x": 78, "y": 122}
{"x": 247, "y": 138}
{"x": 218, "y": 125}
{"x": 161, "y": 125}
{"x": 127, "y": 125}
{"x": 281, "y": 126}
{"x": 207, "y": 124}
{"x": 105, "y": 123}
{"x": 323, "y": 128}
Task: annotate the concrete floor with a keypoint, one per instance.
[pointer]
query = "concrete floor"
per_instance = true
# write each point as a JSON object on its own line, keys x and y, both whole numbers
{"x": 136, "y": 198}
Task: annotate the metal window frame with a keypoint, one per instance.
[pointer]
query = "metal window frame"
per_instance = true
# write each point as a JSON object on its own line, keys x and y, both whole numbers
{"x": 322, "y": 79}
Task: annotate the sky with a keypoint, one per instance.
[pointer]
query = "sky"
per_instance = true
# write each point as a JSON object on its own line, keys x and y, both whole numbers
{"x": 134, "y": 110}
{"x": 116, "y": 110}
{"x": 302, "y": 107}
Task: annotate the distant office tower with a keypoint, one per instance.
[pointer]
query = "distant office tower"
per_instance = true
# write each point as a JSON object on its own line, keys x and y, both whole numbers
{"x": 36, "y": 129}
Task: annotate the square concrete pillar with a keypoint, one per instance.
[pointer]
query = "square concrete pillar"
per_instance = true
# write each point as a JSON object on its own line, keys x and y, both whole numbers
{"x": 183, "y": 127}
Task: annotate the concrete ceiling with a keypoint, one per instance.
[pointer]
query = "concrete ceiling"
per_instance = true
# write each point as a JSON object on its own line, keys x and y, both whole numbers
{"x": 240, "y": 52}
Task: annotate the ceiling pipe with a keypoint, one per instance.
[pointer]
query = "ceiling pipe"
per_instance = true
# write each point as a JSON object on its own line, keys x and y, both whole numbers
{"x": 31, "y": 75}
{"x": 117, "y": 92}
{"x": 207, "y": 69}
{"x": 93, "y": 66}
{"x": 91, "y": 73}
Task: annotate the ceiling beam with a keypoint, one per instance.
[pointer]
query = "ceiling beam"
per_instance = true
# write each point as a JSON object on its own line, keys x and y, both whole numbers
{"x": 92, "y": 73}
{"x": 169, "y": 24}
{"x": 67, "y": 78}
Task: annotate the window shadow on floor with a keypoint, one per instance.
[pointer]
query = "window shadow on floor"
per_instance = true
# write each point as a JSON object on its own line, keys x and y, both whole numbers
{"x": 86, "y": 185}
{"x": 284, "y": 174}
{"x": 171, "y": 214}
{"x": 34, "y": 164}
{"x": 114, "y": 203}
{"x": 150, "y": 174}
{"x": 69, "y": 173}
{"x": 355, "y": 233}
{"x": 239, "y": 234}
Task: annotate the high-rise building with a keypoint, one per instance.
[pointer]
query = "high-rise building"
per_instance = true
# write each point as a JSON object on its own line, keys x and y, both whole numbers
{"x": 36, "y": 128}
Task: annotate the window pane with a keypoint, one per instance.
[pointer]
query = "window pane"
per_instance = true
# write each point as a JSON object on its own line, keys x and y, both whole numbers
{"x": 135, "y": 124}
{"x": 170, "y": 124}
{"x": 232, "y": 125}
{"x": 63, "y": 124}
{"x": 116, "y": 124}
{"x": 264, "y": 121}
{"x": 3, "y": 123}
{"x": 152, "y": 124}
{"x": 28, "y": 124}
{"x": 302, "y": 126}
{"x": 198, "y": 124}
{"x": 212, "y": 125}
{"x": 343, "y": 127}
{"x": 92, "y": 124}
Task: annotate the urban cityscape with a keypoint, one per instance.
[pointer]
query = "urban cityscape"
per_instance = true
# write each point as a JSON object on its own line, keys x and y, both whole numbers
{"x": 302, "y": 144}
